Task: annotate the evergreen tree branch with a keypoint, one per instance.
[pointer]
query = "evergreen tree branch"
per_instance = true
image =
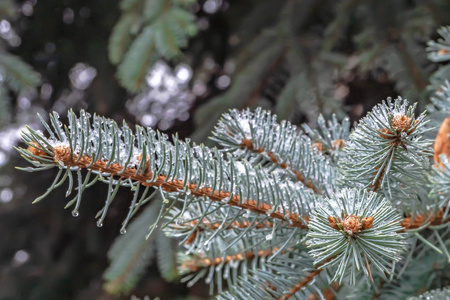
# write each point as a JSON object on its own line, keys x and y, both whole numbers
{"x": 395, "y": 150}
{"x": 18, "y": 74}
{"x": 285, "y": 276}
{"x": 436, "y": 294}
{"x": 247, "y": 143}
{"x": 110, "y": 153}
{"x": 330, "y": 137}
{"x": 206, "y": 225}
{"x": 440, "y": 51}
{"x": 354, "y": 228}
{"x": 147, "y": 31}
{"x": 62, "y": 156}
{"x": 425, "y": 221}
{"x": 194, "y": 263}
{"x": 258, "y": 138}
{"x": 291, "y": 292}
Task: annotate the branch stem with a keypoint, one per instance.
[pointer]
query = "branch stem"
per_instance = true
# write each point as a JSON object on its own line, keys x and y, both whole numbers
{"x": 247, "y": 143}
{"x": 175, "y": 185}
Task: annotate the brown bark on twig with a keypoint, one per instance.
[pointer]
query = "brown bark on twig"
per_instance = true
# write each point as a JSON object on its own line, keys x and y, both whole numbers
{"x": 442, "y": 142}
{"x": 247, "y": 143}
{"x": 301, "y": 284}
{"x": 196, "y": 263}
{"x": 62, "y": 154}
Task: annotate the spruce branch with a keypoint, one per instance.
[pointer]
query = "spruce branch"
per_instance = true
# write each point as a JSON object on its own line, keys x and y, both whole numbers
{"x": 257, "y": 137}
{"x": 147, "y": 31}
{"x": 218, "y": 262}
{"x": 111, "y": 155}
{"x": 291, "y": 292}
{"x": 166, "y": 254}
{"x": 355, "y": 228}
{"x": 229, "y": 205}
{"x": 195, "y": 262}
{"x": 330, "y": 137}
{"x": 386, "y": 146}
{"x": 437, "y": 294}
{"x": 441, "y": 98}
{"x": 18, "y": 74}
{"x": 440, "y": 182}
{"x": 289, "y": 275}
{"x": 193, "y": 227}
{"x": 115, "y": 156}
{"x": 440, "y": 51}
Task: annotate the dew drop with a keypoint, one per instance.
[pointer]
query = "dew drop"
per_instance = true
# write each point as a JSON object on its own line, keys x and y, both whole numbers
{"x": 269, "y": 237}
{"x": 188, "y": 192}
{"x": 75, "y": 213}
{"x": 123, "y": 231}
{"x": 179, "y": 221}
{"x": 166, "y": 200}
{"x": 99, "y": 224}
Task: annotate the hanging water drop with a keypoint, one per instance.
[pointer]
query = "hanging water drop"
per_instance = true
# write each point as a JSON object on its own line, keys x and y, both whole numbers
{"x": 269, "y": 237}
{"x": 99, "y": 223}
{"x": 179, "y": 221}
{"x": 123, "y": 231}
{"x": 166, "y": 200}
{"x": 75, "y": 213}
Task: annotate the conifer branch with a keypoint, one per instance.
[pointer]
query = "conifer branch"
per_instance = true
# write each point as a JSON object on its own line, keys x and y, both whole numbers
{"x": 177, "y": 169}
{"x": 330, "y": 137}
{"x": 301, "y": 284}
{"x": 247, "y": 143}
{"x": 193, "y": 264}
{"x": 62, "y": 156}
{"x": 395, "y": 151}
{"x": 257, "y": 137}
{"x": 218, "y": 225}
{"x": 424, "y": 221}
{"x": 440, "y": 51}
{"x": 147, "y": 31}
{"x": 369, "y": 228}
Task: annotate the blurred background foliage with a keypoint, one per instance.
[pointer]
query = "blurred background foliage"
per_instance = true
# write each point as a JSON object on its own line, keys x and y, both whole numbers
{"x": 177, "y": 65}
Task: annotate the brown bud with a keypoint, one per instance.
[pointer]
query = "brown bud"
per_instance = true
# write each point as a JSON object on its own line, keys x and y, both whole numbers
{"x": 401, "y": 122}
{"x": 352, "y": 223}
{"x": 319, "y": 146}
{"x": 62, "y": 153}
{"x": 442, "y": 143}
{"x": 385, "y": 133}
{"x": 339, "y": 143}
{"x": 35, "y": 151}
{"x": 332, "y": 222}
{"x": 247, "y": 143}
{"x": 368, "y": 222}
{"x": 443, "y": 52}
